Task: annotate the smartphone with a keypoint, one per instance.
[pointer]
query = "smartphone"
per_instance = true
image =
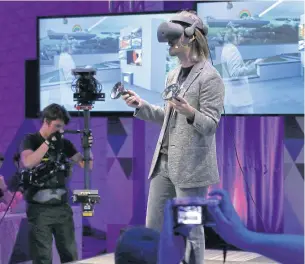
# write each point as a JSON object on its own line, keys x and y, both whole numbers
{"x": 194, "y": 214}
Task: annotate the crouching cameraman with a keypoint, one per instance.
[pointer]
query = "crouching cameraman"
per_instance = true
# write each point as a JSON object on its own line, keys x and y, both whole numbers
{"x": 48, "y": 211}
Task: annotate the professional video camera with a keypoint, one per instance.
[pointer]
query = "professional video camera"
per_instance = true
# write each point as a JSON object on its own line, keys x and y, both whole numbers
{"x": 41, "y": 174}
{"x": 86, "y": 88}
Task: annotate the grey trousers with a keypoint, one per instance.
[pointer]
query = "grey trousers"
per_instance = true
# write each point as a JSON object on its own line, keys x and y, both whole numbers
{"x": 161, "y": 189}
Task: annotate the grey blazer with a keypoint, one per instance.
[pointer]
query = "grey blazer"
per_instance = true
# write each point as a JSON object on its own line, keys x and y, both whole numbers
{"x": 192, "y": 149}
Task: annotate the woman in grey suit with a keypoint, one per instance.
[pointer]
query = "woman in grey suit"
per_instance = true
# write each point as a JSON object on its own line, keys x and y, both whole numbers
{"x": 184, "y": 163}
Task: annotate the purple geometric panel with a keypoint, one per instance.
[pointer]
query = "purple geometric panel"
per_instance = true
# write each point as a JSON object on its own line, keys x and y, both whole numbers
{"x": 293, "y": 128}
{"x": 37, "y": 123}
{"x": 294, "y": 175}
{"x": 115, "y": 171}
{"x": 287, "y": 157}
{"x": 300, "y": 120}
{"x": 110, "y": 153}
{"x": 300, "y": 167}
{"x": 293, "y": 223}
{"x": 116, "y": 142}
{"x": 287, "y": 168}
{"x": 8, "y": 168}
{"x": 152, "y": 132}
{"x": 117, "y": 192}
{"x": 294, "y": 147}
{"x": 126, "y": 164}
{"x": 115, "y": 127}
{"x": 126, "y": 150}
{"x": 294, "y": 194}
{"x": 113, "y": 233}
{"x": 117, "y": 201}
{"x": 110, "y": 162}
{"x": 127, "y": 123}
{"x": 300, "y": 158}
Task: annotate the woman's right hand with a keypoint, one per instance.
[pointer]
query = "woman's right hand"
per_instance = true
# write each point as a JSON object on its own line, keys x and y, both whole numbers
{"x": 132, "y": 99}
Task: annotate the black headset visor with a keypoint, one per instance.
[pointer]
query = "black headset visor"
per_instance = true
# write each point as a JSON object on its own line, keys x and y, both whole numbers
{"x": 172, "y": 30}
{"x": 169, "y": 31}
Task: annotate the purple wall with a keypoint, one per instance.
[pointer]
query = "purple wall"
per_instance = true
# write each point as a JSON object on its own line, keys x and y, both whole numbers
{"x": 294, "y": 175}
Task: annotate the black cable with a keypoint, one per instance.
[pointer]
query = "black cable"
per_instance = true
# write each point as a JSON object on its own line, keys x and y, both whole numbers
{"x": 17, "y": 159}
{"x": 224, "y": 252}
{"x": 246, "y": 182}
{"x": 8, "y": 207}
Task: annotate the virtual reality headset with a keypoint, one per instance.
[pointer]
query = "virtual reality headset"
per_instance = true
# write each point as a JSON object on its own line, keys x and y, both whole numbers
{"x": 172, "y": 30}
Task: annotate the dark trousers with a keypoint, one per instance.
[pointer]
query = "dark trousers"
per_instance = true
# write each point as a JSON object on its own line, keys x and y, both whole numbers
{"x": 46, "y": 221}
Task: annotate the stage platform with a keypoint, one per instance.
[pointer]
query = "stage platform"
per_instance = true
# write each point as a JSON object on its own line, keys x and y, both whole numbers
{"x": 211, "y": 257}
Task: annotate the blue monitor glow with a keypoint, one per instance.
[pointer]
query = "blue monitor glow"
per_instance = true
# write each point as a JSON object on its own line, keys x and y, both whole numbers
{"x": 258, "y": 48}
{"x": 121, "y": 47}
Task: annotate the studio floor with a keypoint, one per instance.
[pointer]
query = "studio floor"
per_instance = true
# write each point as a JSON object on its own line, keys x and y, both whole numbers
{"x": 211, "y": 257}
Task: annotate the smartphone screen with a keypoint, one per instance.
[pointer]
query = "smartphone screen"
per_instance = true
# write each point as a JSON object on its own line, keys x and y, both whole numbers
{"x": 193, "y": 215}
{"x": 189, "y": 215}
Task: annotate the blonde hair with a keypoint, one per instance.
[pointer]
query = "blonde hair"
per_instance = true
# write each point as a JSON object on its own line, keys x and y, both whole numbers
{"x": 199, "y": 48}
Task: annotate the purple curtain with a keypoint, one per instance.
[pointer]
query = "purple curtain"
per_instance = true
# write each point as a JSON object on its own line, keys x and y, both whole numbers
{"x": 258, "y": 142}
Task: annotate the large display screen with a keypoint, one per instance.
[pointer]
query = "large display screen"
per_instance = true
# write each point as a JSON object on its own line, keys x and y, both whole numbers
{"x": 121, "y": 47}
{"x": 258, "y": 47}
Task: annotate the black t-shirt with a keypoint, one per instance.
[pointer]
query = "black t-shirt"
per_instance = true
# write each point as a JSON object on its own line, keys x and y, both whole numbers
{"x": 33, "y": 142}
{"x": 184, "y": 72}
